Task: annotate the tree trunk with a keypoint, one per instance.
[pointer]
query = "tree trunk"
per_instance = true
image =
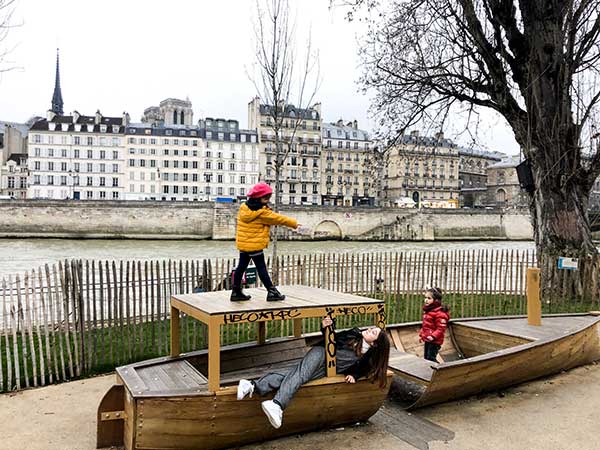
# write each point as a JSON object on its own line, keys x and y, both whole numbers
{"x": 561, "y": 228}
{"x": 274, "y": 265}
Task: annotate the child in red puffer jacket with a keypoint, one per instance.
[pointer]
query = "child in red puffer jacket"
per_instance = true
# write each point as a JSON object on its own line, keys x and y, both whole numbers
{"x": 435, "y": 321}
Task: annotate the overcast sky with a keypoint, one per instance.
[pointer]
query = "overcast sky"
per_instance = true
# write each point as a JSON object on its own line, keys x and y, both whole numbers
{"x": 120, "y": 56}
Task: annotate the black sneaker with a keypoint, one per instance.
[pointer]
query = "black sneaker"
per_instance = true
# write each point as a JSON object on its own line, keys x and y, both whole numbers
{"x": 237, "y": 295}
{"x": 273, "y": 295}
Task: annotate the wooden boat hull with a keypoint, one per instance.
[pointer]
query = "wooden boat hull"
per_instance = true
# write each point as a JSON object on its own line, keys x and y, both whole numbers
{"x": 203, "y": 420}
{"x": 500, "y": 360}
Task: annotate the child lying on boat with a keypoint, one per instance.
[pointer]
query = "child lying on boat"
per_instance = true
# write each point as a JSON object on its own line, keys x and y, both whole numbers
{"x": 359, "y": 354}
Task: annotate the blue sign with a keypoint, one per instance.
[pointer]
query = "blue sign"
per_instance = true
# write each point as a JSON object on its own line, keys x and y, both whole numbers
{"x": 567, "y": 263}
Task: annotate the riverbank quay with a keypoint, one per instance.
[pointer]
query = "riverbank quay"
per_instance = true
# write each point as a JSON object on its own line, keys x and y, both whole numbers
{"x": 559, "y": 412}
{"x": 209, "y": 220}
{"x": 79, "y": 318}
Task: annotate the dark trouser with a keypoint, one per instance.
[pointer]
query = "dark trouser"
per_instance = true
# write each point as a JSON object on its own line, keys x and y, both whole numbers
{"x": 261, "y": 268}
{"x": 288, "y": 381}
{"x": 431, "y": 351}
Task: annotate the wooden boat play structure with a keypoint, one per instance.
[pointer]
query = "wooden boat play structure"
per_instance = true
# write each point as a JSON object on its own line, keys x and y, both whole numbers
{"x": 488, "y": 354}
{"x": 188, "y": 401}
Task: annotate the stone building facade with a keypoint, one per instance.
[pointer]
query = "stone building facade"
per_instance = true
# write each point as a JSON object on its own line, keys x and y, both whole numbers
{"x": 503, "y": 188}
{"x": 77, "y": 157}
{"x": 300, "y": 178}
{"x": 346, "y": 178}
{"x": 211, "y": 160}
{"x": 13, "y": 160}
{"x": 423, "y": 170}
{"x": 472, "y": 174}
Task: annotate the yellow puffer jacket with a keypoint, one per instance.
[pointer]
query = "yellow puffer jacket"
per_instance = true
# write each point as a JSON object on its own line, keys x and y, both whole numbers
{"x": 253, "y": 227}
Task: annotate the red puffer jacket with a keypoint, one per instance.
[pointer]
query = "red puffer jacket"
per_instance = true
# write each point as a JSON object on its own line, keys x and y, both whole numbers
{"x": 435, "y": 322}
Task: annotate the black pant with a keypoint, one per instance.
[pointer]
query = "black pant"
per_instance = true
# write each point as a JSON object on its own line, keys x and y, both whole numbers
{"x": 261, "y": 268}
{"x": 431, "y": 351}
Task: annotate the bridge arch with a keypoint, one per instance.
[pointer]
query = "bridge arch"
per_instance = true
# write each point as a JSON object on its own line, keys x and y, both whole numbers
{"x": 328, "y": 229}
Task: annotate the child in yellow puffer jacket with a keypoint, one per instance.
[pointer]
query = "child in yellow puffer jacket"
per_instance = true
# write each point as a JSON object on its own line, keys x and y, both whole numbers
{"x": 252, "y": 237}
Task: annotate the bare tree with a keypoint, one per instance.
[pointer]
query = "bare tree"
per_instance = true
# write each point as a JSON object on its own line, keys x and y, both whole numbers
{"x": 285, "y": 83}
{"x": 6, "y": 13}
{"x": 534, "y": 62}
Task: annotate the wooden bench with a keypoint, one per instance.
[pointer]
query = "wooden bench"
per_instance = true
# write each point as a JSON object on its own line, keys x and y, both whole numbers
{"x": 412, "y": 367}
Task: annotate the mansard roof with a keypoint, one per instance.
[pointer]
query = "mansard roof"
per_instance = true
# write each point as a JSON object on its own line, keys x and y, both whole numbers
{"x": 292, "y": 112}
{"x": 42, "y": 125}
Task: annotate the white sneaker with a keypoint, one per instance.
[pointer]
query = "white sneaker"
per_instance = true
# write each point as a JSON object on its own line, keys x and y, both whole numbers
{"x": 273, "y": 412}
{"x": 245, "y": 388}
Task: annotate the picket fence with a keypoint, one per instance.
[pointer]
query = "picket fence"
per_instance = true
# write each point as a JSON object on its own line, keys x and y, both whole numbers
{"x": 78, "y": 318}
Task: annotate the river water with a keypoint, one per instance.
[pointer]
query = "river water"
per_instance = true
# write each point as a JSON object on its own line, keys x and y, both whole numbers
{"x": 20, "y": 255}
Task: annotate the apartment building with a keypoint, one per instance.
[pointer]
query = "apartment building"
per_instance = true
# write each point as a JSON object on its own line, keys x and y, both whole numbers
{"x": 503, "y": 188}
{"x": 422, "y": 169}
{"x": 13, "y": 160}
{"x": 347, "y": 177}
{"x": 300, "y": 177}
{"x": 472, "y": 174}
{"x": 77, "y": 157}
{"x": 169, "y": 157}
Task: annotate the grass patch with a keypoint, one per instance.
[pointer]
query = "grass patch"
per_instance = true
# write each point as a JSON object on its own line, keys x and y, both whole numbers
{"x": 102, "y": 349}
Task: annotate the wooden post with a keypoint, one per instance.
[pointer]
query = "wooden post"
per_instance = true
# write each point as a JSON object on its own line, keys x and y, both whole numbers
{"x": 174, "y": 332}
{"x": 330, "y": 351}
{"x": 214, "y": 356}
{"x": 298, "y": 328}
{"x": 534, "y": 304}
{"x": 262, "y": 332}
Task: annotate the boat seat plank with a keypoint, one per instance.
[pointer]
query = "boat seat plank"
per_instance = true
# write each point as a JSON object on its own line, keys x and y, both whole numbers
{"x": 171, "y": 376}
{"x": 406, "y": 364}
{"x": 254, "y": 373}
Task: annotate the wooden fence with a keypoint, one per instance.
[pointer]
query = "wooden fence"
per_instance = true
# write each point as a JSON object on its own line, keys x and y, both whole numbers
{"x": 77, "y": 318}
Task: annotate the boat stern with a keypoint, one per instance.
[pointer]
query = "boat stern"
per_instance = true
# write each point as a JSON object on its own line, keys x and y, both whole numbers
{"x": 111, "y": 418}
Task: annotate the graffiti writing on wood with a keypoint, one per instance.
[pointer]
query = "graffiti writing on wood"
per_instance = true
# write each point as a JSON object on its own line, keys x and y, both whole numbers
{"x": 259, "y": 316}
{"x": 381, "y": 316}
{"x": 347, "y": 310}
{"x": 330, "y": 336}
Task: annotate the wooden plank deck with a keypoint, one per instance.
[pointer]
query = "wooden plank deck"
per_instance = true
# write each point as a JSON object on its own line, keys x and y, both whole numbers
{"x": 552, "y": 327}
{"x": 297, "y": 297}
{"x": 172, "y": 376}
{"x": 411, "y": 366}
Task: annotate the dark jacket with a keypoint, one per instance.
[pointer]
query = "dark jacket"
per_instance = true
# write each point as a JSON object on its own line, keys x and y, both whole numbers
{"x": 435, "y": 322}
{"x": 346, "y": 340}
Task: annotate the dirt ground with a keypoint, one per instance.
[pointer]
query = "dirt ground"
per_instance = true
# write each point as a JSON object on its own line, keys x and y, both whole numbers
{"x": 556, "y": 413}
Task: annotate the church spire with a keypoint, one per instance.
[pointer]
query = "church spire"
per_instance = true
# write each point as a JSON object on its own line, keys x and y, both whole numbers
{"x": 57, "y": 101}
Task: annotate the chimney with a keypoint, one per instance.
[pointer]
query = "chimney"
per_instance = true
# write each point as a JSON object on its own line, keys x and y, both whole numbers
{"x": 414, "y": 133}
{"x": 98, "y": 117}
{"x": 75, "y": 115}
{"x": 125, "y": 118}
{"x": 355, "y": 124}
{"x": 50, "y": 115}
{"x": 317, "y": 108}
